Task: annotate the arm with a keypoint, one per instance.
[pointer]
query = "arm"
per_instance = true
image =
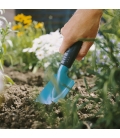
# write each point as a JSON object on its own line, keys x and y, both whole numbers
{"x": 83, "y": 24}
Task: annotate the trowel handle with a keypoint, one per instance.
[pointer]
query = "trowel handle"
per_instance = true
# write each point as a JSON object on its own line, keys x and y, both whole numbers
{"x": 71, "y": 54}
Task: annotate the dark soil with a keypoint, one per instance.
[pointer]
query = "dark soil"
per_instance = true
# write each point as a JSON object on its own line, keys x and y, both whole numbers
{"x": 18, "y": 108}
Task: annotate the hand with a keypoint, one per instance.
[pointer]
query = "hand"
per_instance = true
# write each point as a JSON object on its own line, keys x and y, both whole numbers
{"x": 83, "y": 24}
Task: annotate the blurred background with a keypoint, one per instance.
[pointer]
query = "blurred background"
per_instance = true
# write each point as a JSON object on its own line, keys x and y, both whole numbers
{"x": 52, "y": 18}
{"x": 9, "y": 14}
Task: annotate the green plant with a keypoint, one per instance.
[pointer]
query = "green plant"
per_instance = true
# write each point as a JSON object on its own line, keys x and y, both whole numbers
{"x": 4, "y": 41}
{"x": 106, "y": 68}
{"x": 27, "y": 31}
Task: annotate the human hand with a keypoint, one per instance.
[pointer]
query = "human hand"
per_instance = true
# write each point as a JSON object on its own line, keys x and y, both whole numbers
{"x": 84, "y": 24}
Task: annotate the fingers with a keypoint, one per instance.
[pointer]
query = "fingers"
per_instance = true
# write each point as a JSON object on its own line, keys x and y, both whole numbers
{"x": 84, "y": 49}
{"x": 67, "y": 40}
{"x": 65, "y": 45}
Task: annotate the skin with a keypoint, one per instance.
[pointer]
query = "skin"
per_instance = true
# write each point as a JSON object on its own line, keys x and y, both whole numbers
{"x": 83, "y": 24}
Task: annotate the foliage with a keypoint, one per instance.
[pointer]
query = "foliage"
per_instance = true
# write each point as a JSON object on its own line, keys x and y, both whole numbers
{"x": 4, "y": 41}
{"x": 107, "y": 70}
{"x": 27, "y": 31}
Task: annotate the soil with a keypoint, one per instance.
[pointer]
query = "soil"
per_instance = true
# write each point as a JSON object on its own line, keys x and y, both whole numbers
{"x": 17, "y": 102}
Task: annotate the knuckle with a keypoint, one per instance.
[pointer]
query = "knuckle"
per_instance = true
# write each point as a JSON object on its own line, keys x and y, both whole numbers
{"x": 82, "y": 54}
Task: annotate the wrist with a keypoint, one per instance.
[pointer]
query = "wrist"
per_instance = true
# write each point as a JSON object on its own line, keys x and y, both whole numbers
{"x": 97, "y": 11}
{"x": 91, "y": 11}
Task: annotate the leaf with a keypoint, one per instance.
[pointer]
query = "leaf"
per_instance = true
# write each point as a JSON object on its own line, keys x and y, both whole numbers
{"x": 8, "y": 79}
{"x": 87, "y": 39}
{"x": 4, "y": 48}
{"x": 0, "y": 44}
{"x": 86, "y": 84}
{"x": 10, "y": 57}
{"x": 9, "y": 24}
{"x": 10, "y": 42}
{"x": 1, "y": 65}
{"x": 35, "y": 69}
{"x": 108, "y": 12}
{"x": 105, "y": 89}
{"x": 4, "y": 19}
{"x": 2, "y": 11}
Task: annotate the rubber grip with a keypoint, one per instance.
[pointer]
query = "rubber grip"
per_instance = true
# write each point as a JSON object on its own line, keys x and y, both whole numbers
{"x": 71, "y": 54}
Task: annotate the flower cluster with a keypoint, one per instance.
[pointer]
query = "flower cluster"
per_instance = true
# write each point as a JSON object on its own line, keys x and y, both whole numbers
{"x": 23, "y": 22}
{"x": 23, "y": 19}
{"x": 39, "y": 25}
{"x": 46, "y": 45}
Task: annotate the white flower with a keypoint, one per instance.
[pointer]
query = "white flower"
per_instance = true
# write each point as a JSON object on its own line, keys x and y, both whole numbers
{"x": 46, "y": 64}
{"x": 40, "y": 54}
{"x": 46, "y": 45}
{"x": 92, "y": 48}
{"x": 26, "y": 49}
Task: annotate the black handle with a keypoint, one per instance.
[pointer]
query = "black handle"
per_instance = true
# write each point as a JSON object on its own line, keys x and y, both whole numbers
{"x": 71, "y": 54}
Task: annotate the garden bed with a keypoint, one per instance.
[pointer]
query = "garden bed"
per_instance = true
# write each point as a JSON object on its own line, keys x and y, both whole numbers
{"x": 94, "y": 100}
{"x": 18, "y": 109}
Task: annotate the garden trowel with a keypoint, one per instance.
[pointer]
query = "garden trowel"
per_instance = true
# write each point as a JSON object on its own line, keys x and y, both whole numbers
{"x": 60, "y": 84}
